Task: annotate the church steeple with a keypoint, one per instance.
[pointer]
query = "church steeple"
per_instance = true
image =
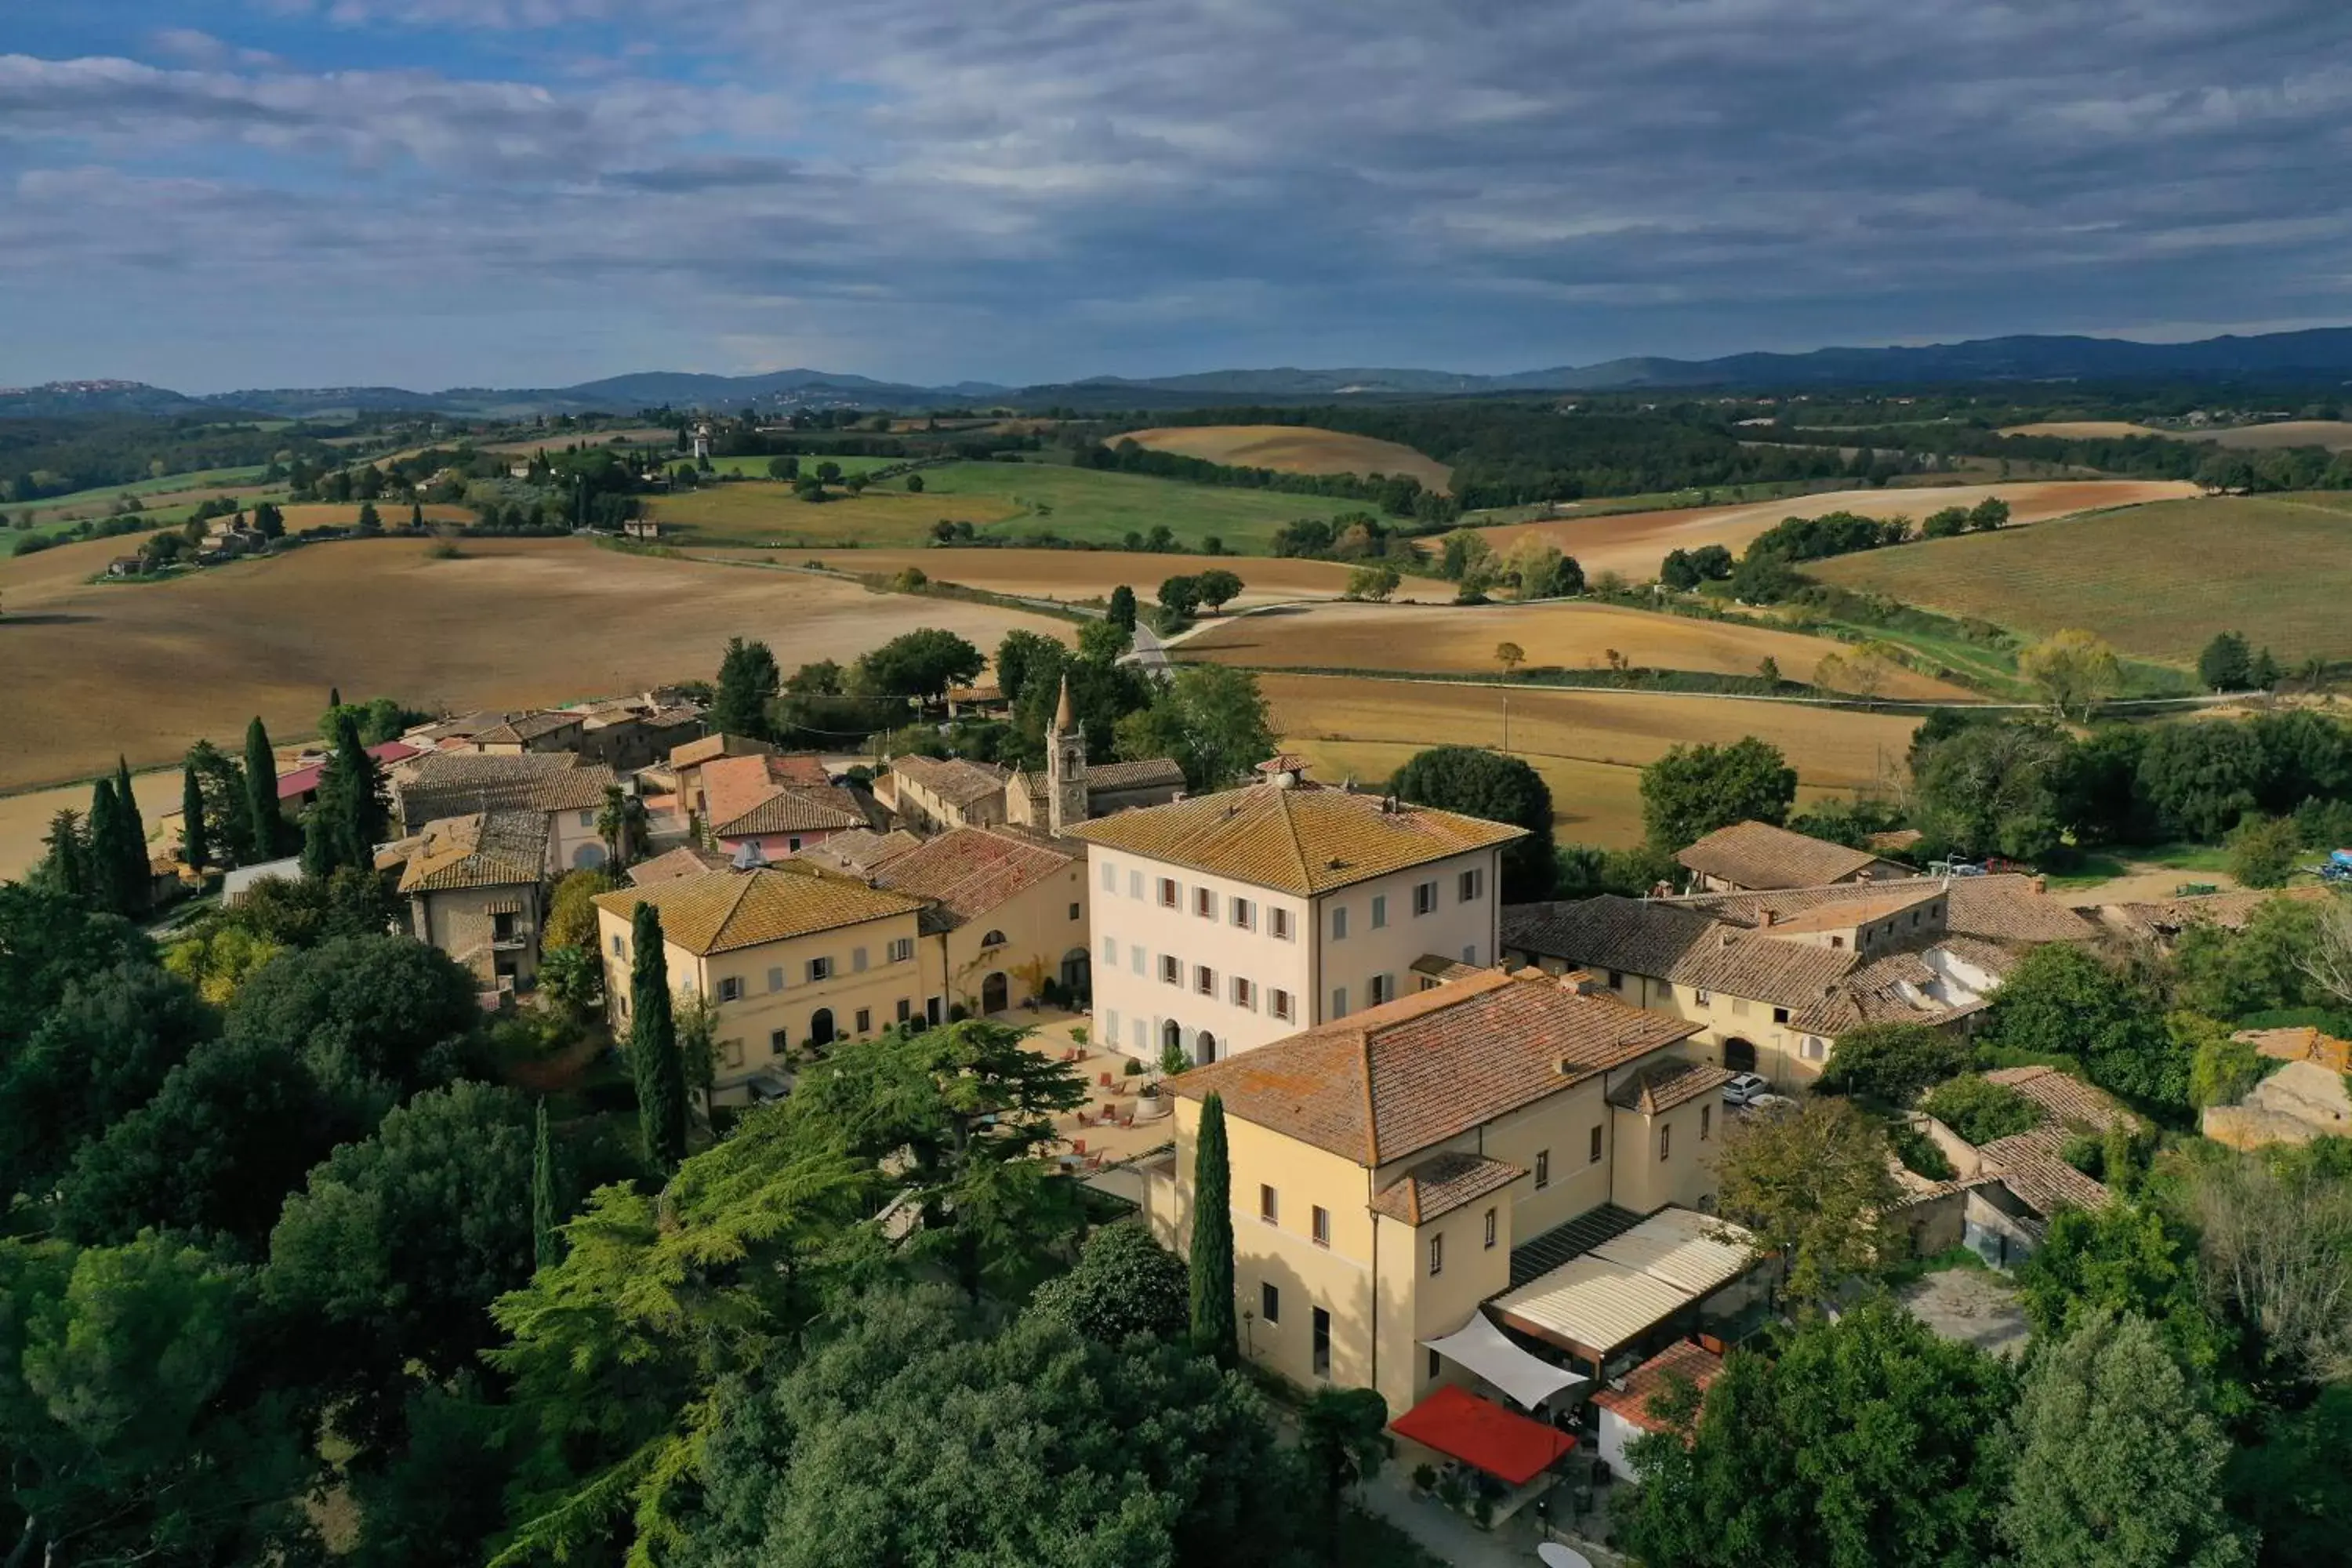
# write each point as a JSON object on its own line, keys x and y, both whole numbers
{"x": 1065, "y": 767}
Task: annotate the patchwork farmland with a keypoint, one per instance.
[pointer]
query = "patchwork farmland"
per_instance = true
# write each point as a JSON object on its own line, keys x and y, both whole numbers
{"x": 2156, "y": 581}
{"x": 1293, "y": 449}
{"x": 1084, "y": 575}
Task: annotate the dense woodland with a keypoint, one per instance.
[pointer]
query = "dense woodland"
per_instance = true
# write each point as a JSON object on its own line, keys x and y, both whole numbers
{"x": 41, "y": 458}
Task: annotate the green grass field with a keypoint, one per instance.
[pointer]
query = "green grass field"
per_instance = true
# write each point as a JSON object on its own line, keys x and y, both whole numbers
{"x": 2157, "y": 581}
{"x": 1000, "y": 498}
{"x": 757, "y": 467}
{"x": 53, "y": 513}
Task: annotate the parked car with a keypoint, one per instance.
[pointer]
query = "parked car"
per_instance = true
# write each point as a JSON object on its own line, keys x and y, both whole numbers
{"x": 1743, "y": 1089}
{"x": 1770, "y": 1105}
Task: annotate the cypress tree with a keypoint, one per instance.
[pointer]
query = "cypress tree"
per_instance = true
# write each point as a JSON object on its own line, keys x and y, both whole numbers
{"x": 105, "y": 849}
{"x": 193, "y": 847}
{"x": 547, "y": 1248}
{"x": 1212, "y": 1262}
{"x": 266, "y": 825}
{"x": 350, "y": 819}
{"x": 66, "y": 867}
{"x": 334, "y": 698}
{"x": 133, "y": 828}
{"x": 654, "y": 1060}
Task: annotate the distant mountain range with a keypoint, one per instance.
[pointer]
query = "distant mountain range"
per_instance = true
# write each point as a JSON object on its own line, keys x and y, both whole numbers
{"x": 2318, "y": 354}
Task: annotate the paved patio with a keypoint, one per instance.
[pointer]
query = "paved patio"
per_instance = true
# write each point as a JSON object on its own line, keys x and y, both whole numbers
{"x": 1112, "y": 1126}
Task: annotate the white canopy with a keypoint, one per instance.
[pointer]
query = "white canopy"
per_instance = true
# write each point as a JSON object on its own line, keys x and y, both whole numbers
{"x": 1485, "y": 1349}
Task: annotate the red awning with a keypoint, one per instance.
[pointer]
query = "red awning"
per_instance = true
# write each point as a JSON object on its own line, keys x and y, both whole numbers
{"x": 1479, "y": 1432}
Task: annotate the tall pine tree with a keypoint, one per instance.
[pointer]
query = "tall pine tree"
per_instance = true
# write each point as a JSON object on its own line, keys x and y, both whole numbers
{"x": 653, "y": 1061}
{"x": 266, "y": 824}
{"x": 546, "y": 1246}
{"x": 134, "y": 872}
{"x": 193, "y": 847}
{"x": 1212, "y": 1262}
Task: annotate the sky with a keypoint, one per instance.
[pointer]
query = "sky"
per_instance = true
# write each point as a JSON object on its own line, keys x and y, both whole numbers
{"x": 212, "y": 195}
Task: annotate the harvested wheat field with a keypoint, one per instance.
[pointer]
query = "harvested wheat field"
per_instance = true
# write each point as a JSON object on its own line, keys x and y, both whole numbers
{"x": 1085, "y": 574}
{"x": 25, "y": 819}
{"x": 1293, "y": 449}
{"x": 147, "y": 668}
{"x": 2336, "y": 435}
{"x": 1590, "y": 746}
{"x": 1461, "y": 639}
{"x": 1633, "y": 543}
{"x": 2088, "y": 429}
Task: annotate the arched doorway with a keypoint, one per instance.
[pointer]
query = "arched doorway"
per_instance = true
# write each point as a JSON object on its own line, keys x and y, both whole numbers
{"x": 821, "y": 1027}
{"x": 992, "y": 990}
{"x": 1204, "y": 1048}
{"x": 587, "y": 856}
{"x": 1172, "y": 1032}
{"x": 1077, "y": 972}
{"x": 1738, "y": 1055}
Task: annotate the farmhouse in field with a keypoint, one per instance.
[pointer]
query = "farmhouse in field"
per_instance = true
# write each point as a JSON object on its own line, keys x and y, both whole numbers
{"x": 1755, "y": 856}
{"x": 1774, "y": 978}
{"x": 1445, "y": 1195}
{"x": 1227, "y": 921}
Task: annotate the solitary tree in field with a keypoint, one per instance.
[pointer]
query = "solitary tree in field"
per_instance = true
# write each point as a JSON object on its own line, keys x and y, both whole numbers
{"x": 653, "y": 1061}
{"x": 2074, "y": 671}
{"x": 1510, "y": 655}
{"x": 1121, "y": 611}
{"x": 1211, "y": 1261}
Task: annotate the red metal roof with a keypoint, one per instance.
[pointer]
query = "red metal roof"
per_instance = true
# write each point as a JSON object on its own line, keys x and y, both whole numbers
{"x": 1458, "y": 1424}
{"x": 302, "y": 781}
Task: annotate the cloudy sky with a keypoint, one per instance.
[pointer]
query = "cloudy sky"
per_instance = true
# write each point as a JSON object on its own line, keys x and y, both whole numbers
{"x": 220, "y": 193}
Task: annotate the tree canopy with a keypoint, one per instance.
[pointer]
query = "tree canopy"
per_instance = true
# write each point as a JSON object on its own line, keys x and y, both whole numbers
{"x": 1476, "y": 782}
{"x": 1694, "y": 789}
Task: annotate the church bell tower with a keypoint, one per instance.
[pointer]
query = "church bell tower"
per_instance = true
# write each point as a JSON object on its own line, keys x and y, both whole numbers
{"x": 1065, "y": 768}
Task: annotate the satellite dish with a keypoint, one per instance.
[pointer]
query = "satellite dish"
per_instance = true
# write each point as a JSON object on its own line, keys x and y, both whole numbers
{"x": 1552, "y": 1554}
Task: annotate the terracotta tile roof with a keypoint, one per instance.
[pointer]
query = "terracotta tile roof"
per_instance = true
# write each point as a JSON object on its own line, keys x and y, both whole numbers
{"x": 2030, "y": 1164}
{"x": 1661, "y": 1086}
{"x": 450, "y": 783}
{"x": 486, "y": 850}
{"x": 1851, "y": 913}
{"x": 1437, "y": 966}
{"x": 526, "y": 727}
{"x": 720, "y": 911}
{"x": 1758, "y": 855}
{"x": 822, "y": 810}
{"x": 972, "y": 870}
{"x": 2046, "y": 1183}
{"x": 1303, "y": 840}
{"x": 686, "y": 860}
{"x": 957, "y": 780}
{"x": 1385, "y": 1083}
{"x": 2067, "y": 1100}
{"x": 718, "y": 745}
{"x": 1438, "y": 1185}
{"x": 2003, "y": 909}
{"x": 462, "y": 726}
{"x": 302, "y": 781}
{"x": 1153, "y": 773}
{"x": 860, "y": 850}
{"x": 1639, "y": 936}
{"x": 1631, "y": 1404}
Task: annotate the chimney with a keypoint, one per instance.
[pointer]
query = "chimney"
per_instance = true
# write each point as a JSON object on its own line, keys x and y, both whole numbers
{"x": 1580, "y": 982}
{"x": 2040, "y": 883}
{"x": 1726, "y": 939}
{"x": 1766, "y": 916}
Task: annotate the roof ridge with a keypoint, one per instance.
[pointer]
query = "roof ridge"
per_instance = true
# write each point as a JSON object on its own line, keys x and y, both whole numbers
{"x": 1371, "y": 1107}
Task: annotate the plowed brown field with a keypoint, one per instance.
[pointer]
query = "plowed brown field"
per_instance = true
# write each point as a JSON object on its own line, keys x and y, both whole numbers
{"x": 1293, "y": 449}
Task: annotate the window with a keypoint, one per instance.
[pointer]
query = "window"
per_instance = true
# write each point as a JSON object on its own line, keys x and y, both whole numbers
{"x": 1321, "y": 1338}
{"x": 1490, "y": 1228}
{"x": 865, "y": 1019}
{"x": 1593, "y": 1155}
{"x": 1110, "y": 1025}
{"x": 1244, "y": 994}
{"x": 906, "y": 1009}
{"x": 1616, "y": 980}
{"x": 1339, "y": 922}
{"x": 730, "y": 988}
{"x": 819, "y": 969}
{"x": 1425, "y": 897}
{"x": 1204, "y": 980}
{"x": 587, "y": 820}
{"x": 1320, "y": 1220}
{"x": 1142, "y": 1036}
{"x": 1110, "y": 878}
{"x": 1269, "y": 1303}
{"x": 1277, "y": 920}
{"x": 902, "y": 948}
{"x": 1243, "y": 915}
{"x": 1380, "y": 988}
{"x": 1110, "y": 952}
{"x": 1075, "y": 912}
{"x": 1136, "y": 959}
{"x": 779, "y": 1041}
{"x": 620, "y": 948}
{"x": 991, "y": 939}
{"x": 1204, "y": 903}
{"x": 1812, "y": 1048}
{"x": 776, "y": 978}
{"x": 857, "y": 960}
{"x": 1706, "y": 1118}
{"x": 1135, "y": 884}
{"x": 1437, "y": 1255}
{"x": 731, "y": 1053}
{"x": 1469, "y": 953}
{"x": 1703, "y": 998}
{"x": 1665, "y": 1141}
{"x": 1171, "y": 969}
{"x": 1278, "y": 1004}
{"x": 1168, "y": 896}
{"x": 1780, "y": 1015}
{"x": 1339, "y": 1002}
{"x": 1837, "y": 941}
{"x": 1268, "y": 1206}
{"x": 1434, "y": 1370}
{"x": 794, "y": 843}
{"x": 1543, "y": 1169}
{"x": 1380, "y": 910}
{"x": 1473, "y": 884}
